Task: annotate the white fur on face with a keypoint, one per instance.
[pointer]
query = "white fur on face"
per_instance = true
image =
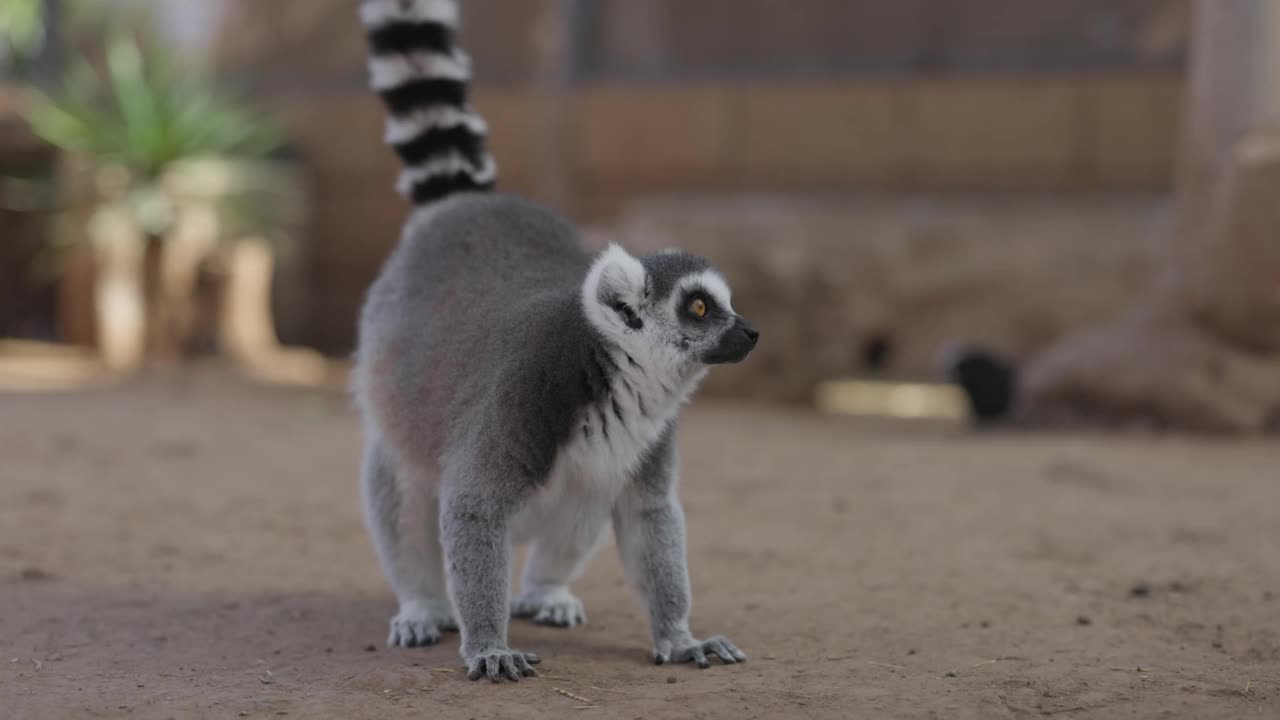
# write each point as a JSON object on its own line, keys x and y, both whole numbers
{"x": 710, "y": 282}
{"x": 615, "y": 273}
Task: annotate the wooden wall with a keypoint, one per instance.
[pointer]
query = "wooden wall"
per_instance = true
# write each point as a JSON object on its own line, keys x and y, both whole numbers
{"x": 803, "y": 130}
{"x": 1085, "y": 133}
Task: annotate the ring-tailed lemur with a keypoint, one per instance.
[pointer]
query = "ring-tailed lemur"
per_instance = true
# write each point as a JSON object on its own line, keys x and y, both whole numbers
{"x": 514, "y": 388}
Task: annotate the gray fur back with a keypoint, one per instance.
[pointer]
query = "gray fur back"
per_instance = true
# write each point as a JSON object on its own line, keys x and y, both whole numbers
{"x": 477, "y": 311}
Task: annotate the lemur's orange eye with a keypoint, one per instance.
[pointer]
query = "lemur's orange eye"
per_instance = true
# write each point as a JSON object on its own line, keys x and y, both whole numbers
{"x": 698, "y": 307}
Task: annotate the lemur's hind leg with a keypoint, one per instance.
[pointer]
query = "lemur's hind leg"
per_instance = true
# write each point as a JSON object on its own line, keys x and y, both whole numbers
{"x": 556, "y": 559}
{"x": 404, "y": 520}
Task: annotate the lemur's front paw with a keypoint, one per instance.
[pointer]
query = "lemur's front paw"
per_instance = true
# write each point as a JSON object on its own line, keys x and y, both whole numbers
{"x": 550, "y": 606}
{"x": 685, "y": 649}
{"x": 418, "y": 625}
{"x": 499, "y": 663}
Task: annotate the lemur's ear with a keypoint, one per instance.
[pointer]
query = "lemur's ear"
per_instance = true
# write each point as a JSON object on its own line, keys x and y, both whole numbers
{"x": 615, "y": 277}
{"x": 616, "y": 284}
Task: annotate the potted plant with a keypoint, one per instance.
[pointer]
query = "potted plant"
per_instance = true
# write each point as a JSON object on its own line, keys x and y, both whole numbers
{"x": 173, "y": 175}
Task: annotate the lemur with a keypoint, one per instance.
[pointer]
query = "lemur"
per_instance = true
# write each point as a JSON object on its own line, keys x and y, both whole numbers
{"x": 514, "y": 388}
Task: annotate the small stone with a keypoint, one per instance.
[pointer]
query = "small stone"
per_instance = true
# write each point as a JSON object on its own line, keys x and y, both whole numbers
{"x": 949, "y": 673}
{"x": 1141, "y": 589}
{"x": 912, "y": 651}
{"x": 984, "y": 624}
{"x": 370, "y": 648}
{"x": 671, "y": 679}
{"x": 1084, "y": 620}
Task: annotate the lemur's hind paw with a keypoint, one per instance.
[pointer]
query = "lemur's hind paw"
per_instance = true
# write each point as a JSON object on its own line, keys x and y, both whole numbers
{"x": 555, "y": 606}
{"x": 687, "y": 649}
{"x": 417, "y": 625}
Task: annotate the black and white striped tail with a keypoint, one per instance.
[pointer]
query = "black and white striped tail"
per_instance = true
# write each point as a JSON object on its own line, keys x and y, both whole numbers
{"x": 423, "y": 77}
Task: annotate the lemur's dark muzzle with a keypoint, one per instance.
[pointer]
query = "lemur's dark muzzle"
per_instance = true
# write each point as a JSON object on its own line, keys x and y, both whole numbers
{"x": 736, "y": 343}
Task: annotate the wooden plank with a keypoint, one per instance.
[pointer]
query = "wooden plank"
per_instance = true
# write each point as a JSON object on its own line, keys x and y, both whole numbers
{"x": 1132, "y": 128}
{"x": 993, "y": 134}
{"x": 818, "y": 135}
{"x": 669, "y": 134}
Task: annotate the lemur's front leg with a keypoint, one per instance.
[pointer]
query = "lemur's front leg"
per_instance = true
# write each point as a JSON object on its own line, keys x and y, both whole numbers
{"x": 474, "y": 520}
{"x": 649, "y": 524}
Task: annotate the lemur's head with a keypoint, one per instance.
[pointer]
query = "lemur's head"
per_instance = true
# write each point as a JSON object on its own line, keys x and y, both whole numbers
{"x": 671, "y": 308}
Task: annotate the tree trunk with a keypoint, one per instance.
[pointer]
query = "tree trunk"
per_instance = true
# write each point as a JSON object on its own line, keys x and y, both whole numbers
{"x": 120, "y": 307}
{"x": 1228, "y": 241}
{"x": 1203, "y": 350}
{"x": 246, "y": 331}
{"x": 183, "y": 252}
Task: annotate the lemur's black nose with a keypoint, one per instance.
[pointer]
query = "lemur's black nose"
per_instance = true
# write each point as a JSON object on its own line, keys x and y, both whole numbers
{"x": 735, "y": 343}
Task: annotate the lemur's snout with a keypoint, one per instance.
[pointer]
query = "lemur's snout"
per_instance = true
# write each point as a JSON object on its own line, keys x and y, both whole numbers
{"x": 735, "y": 344}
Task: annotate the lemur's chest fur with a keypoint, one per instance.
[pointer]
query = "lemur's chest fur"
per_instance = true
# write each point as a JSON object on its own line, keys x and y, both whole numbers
{"x": 608, "y": 440}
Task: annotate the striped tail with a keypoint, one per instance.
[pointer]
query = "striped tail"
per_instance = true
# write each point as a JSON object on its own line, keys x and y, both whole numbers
{"x": 422, "y": 78}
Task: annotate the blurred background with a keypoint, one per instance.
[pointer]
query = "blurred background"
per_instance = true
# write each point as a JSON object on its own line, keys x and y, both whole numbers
{"x": 1067, "y": 206}
{"x": 879, "y": 180}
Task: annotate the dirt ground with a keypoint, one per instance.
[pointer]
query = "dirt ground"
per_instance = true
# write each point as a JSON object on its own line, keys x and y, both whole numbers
{"x": 192, "y": 547}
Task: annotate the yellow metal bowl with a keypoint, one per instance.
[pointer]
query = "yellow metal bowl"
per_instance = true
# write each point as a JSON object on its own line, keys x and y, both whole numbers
{"x": 888, "y": 399}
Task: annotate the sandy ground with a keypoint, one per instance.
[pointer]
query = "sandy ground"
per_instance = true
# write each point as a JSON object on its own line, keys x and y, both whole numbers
{"x": 193, "y": 548}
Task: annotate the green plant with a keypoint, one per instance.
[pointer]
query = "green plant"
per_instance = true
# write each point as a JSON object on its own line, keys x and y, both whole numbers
{"x": 21, "y": 32}
{"x": 142, "y": 114}
{"x": 145, "y": 111}
{"x": 25, "y": 30}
